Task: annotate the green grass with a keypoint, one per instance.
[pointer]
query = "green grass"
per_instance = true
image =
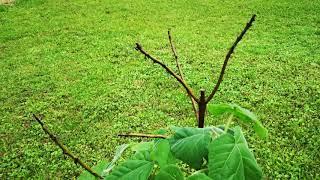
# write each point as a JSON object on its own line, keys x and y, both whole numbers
{"x": 75, "y": 63}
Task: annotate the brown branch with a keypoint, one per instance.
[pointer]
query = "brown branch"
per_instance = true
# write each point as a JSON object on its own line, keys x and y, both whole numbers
{"x": 225, "y": 63}
{"x": 202, "y": 108}
{"x": 188, "y": 89}
{"x": 143, "y": 135}
{"x": 194, "y": 107}
{"x": 175, "y": 54}
{"x": 65, "y": 149}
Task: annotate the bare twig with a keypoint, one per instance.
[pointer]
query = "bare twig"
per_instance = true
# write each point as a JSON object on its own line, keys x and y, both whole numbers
{"x": 225, "y": 63}
{"x": 143, "y": 135}
{"x": 202, "y": 101}
{"x": 194, "y": 107}
{"x": 175, "y": 54}
{"x": 65, "y": 149}
{"x": 188, "y": 89}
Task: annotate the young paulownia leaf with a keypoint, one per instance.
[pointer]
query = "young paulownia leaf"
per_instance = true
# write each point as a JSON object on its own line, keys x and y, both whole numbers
{"x": 143, "y": 146}
{"x": 160, "y": 152}
{"x": 199, "y": 176}
{"x": 190, "y": 145}
{"x": 242, "y": 114}
{"x": 219, "y": 109}
{"x": 260, "y": 130}
{"x": 117, "y": 155}
{"x": 142, "y": 155}
{"x": 131, "y": 170}
{"x": 170, "y": 172}
{"x": 230, "y": 158}
{"x": 85, "y": 175}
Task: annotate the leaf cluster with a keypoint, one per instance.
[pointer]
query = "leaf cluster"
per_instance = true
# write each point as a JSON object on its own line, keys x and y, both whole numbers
{"x": 216, "y": 152}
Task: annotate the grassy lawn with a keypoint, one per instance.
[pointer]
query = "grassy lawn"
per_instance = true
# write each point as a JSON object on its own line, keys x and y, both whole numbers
{"x": 74, "y": 62}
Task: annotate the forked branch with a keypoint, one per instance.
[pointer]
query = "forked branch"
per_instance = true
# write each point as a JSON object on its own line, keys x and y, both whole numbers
{"x": 202, "y": 101}
{"x": 226, "y": 60}
{"x": 177, "y": 77}
{"x": 174, "y": 52}
{"x": 65, "y": 150}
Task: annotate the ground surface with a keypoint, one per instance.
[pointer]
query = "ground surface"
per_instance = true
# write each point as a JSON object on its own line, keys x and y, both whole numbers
{"x": 75, "y": 63}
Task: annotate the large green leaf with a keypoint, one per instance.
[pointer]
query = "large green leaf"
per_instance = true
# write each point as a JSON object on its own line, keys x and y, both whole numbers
{"x": 142, "y": 155}
{"x": 199, "y": 176}
{"x": 170, "y": 172}
{"x": 116, "y": 157}
{"x": 216, "y": 131}
{"x": 230, "y": 158}
{"x": 242, "y": 114}
{"x": 160, "y": 152}
{"x": 85, "y": 175}
{"x": 220, "y": 109}
{"x": 131, "y": 170}
{"x": 143, "y": 146}
{"x": 191, "y": 145}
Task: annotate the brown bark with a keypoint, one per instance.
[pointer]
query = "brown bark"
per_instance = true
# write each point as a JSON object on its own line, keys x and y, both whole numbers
{"x": 228, "y": 56}
{"x": 181, "y": 81}
{"x": 202, "y": 101}
{"x": 202, "y": 109}
{"x": 194, "y": 106}
{"x": 65, "y": 150}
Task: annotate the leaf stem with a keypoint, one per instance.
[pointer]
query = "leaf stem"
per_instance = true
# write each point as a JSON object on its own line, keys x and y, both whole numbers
{"x": 228, "y": 123}
{"x": 201, "y": 171}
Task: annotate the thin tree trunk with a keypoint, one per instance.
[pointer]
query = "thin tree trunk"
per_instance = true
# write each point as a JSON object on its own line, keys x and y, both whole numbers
{"x": 202, "y": 108}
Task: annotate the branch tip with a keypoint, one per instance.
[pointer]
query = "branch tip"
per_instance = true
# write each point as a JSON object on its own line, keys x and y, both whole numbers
{"x": 175, "y": 55}
{"x": 64, "y": 149}
{"x": 228, "y": 56}
{"x": 177, "y": 77}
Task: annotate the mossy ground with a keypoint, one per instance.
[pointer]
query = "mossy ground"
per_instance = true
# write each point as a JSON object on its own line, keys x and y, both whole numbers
{"x": 75, "y": 63}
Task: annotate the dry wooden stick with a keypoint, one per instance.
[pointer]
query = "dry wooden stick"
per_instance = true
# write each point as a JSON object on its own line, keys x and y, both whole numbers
{"x": 194, "y": 106}
{"x": 225, "y": 63}
{"x": 143, "y": 135}
{"x": 175, "y": 55}
{"x": 65, "y": 150}
{"x": 178, "y": 78}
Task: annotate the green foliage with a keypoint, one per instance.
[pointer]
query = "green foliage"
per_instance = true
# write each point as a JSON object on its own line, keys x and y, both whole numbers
{"x": 190, "y": 145}
{"x": 230, "y": 158}
{"x": 142, "y": 155}
{"x": 117, "y": 155}
{"x": 170, "y": 172}
{"x": 99, "y": 168}
{"x": 161, "y": 152}
{"x": 199, "y": 176}
{"x": 242, "y": 114}
{"x": 131, "y": 169}
{"x": 215, "y": 153}
{"x": 144, "y": 146}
